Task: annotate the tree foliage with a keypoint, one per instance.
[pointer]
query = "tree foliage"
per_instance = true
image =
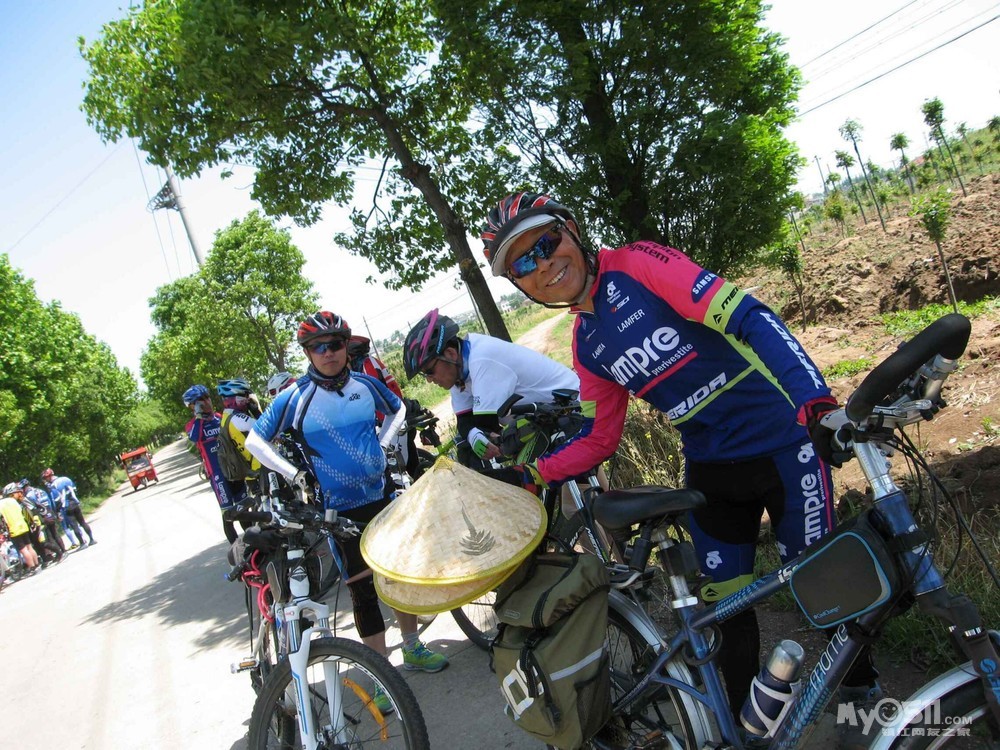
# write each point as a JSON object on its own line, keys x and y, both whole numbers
{"x": 64, "y": 401}
{"x": 654, "y": 120}
{"x": 236, "y": 317}
{"x": 308, "y": 92}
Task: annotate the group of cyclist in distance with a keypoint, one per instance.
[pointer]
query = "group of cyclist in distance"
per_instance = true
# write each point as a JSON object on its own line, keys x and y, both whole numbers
{"x": 650, "y": 323}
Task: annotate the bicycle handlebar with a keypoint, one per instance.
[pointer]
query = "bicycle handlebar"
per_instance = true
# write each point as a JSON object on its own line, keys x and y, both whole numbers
{"x": 947, "y": 336}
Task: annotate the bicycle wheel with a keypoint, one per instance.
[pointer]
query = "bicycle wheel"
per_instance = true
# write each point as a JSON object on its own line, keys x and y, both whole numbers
{"x": 478, "y": 620}
{"x": 661, "y": 712}
{"x": 964, "y": 721}
{"x": 360, "y": 673}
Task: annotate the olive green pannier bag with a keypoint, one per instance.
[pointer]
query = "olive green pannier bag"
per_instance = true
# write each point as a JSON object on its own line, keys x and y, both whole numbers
{"x": 550, "y": 654}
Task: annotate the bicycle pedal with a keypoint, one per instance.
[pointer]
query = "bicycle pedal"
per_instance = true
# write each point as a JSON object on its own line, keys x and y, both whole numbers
{"x": 244, "y": 665}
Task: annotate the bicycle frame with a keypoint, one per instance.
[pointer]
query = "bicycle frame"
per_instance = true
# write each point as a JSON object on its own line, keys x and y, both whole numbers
{"x": 298, "y": 650}
{"x": 846, "y": 643}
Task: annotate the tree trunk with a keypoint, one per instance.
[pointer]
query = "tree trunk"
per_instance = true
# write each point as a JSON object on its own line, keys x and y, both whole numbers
{"x": 624, "y": 178}
{"x": 871, "y": 190}
{"x": 419, "y": 175}
{"x": 947, "y": 277}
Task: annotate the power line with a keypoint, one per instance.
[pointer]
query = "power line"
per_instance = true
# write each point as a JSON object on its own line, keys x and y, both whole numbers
{"x": 63, "y": 199}
{"x": 852, "y": 55}
{"x": 855, "y": 36}
{"x": 893, "y": 70}
{"x": 145, "y": 187}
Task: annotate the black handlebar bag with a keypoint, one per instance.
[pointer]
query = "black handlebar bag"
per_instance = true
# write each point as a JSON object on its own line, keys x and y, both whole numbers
{"x": 849, "y": 572}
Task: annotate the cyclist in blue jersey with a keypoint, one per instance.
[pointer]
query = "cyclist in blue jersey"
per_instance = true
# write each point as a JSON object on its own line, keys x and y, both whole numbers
{"x": 203, "y": 430}
{"x": 333, "y": 411}
{"x": 739, "y": 388}
{"x": 62, "y": 490}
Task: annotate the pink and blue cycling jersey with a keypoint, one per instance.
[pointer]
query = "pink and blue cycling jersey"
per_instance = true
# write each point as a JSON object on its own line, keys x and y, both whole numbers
{"x": 719, "y": 363}
{"x": 205, "y": 434}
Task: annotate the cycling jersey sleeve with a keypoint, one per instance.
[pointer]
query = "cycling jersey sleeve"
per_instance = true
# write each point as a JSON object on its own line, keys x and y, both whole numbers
{"x": 268, "y": 455}
{"x": 709, "y": 299}
{"x": 604, "y": 405}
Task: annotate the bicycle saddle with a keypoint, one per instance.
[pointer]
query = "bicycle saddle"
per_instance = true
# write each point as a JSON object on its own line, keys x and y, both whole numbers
{"x": 619, "y": 509}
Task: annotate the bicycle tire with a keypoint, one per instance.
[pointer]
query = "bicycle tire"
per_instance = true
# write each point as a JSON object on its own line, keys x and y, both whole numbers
{"x": 478, "y": 620}
{"x": 967, "y": 702}
{"x": 273, "y": 723}
{"x": 630, "y": 656}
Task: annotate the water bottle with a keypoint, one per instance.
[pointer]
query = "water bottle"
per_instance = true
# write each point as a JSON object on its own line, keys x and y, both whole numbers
{"x": 773, "y": 689}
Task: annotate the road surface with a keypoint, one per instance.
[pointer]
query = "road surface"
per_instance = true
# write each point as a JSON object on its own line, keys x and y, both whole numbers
{"x": 128, "y": 644}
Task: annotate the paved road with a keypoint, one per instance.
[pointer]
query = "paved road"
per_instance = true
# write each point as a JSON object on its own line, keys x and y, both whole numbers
{"x": 127, "y": 644}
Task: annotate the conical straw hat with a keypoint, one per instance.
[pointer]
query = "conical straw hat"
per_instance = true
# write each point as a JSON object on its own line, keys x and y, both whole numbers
{"x": 453, "y": 525}
{"x": 418, "y": 599}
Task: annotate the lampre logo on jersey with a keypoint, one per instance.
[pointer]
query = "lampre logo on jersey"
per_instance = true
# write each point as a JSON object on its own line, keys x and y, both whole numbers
{"x": 648, "y": 359}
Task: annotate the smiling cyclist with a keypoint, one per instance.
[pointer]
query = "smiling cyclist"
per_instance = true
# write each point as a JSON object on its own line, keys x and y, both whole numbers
{"x": 733, "y": 380}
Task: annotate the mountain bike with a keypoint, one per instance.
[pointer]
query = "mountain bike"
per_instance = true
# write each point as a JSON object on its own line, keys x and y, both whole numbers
{"x": 542, "y": 427}
{"x": 666, "y": 687}
{"x": 316, "y": 691}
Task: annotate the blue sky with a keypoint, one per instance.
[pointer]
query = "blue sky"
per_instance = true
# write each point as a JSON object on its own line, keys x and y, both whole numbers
{"x": 72, "y": 210}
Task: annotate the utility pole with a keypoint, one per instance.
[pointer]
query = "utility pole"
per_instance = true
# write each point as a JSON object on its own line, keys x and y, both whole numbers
{"x": 821, "y": 178}
{"x": 170, "y": 197}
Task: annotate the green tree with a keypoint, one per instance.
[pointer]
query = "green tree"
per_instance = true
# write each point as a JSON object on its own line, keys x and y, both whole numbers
{"x": 235, "y": 317}
{"x": 851, "y": 131}
{"x": 64, "y": 401}
{"x": 786, "y": 256}
{"x": 933, "y": 111}
{"x": 845, "y": 161}
{"x": 899, "y": 142}
{"x": 834, "y": 209}
{"x": 307, "y": 92}
{"x": 934, "y": 210}
{"x": 994, "y": 127}
{"x": 655, "y": 120}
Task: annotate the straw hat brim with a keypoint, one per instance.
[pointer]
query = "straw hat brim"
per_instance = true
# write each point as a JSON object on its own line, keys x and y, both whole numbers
{"x": 419, "y": 599}
{"x": 453, "y": 526}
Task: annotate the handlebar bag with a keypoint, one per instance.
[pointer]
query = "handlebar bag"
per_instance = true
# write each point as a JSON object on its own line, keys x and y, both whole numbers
{"x": 848, "y": 573}
{"x": 550, "y": 655}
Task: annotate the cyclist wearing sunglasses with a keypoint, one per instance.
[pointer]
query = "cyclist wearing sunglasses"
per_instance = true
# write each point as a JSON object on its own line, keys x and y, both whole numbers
{"x": 333, "y": 412}
{"x": 481, "y": 372}
{"x": 722, "y": 366}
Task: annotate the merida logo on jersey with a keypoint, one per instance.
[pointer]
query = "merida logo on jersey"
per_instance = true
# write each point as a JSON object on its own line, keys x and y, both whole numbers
{"x": 637, "y": 359}
{"x": 796, "y": 350}
{"x": 631, "y": 319}
{"x": 697, "y": 397}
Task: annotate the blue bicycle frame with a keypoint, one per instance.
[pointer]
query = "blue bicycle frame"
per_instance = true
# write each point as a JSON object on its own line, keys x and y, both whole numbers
{"x": 695, "y": 622}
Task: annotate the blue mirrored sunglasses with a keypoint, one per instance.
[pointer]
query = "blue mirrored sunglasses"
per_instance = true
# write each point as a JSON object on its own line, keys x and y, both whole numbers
{"x": 543, "y": 249}
{"x": 334, "y": 346}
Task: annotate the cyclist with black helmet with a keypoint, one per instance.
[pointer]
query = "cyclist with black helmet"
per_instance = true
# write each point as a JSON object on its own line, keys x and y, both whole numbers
{"x": 203, "y": 430}
{"x": 741, "y": 391}
{"x": 481, "y": 372}
{"x": 333, "y": 411}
